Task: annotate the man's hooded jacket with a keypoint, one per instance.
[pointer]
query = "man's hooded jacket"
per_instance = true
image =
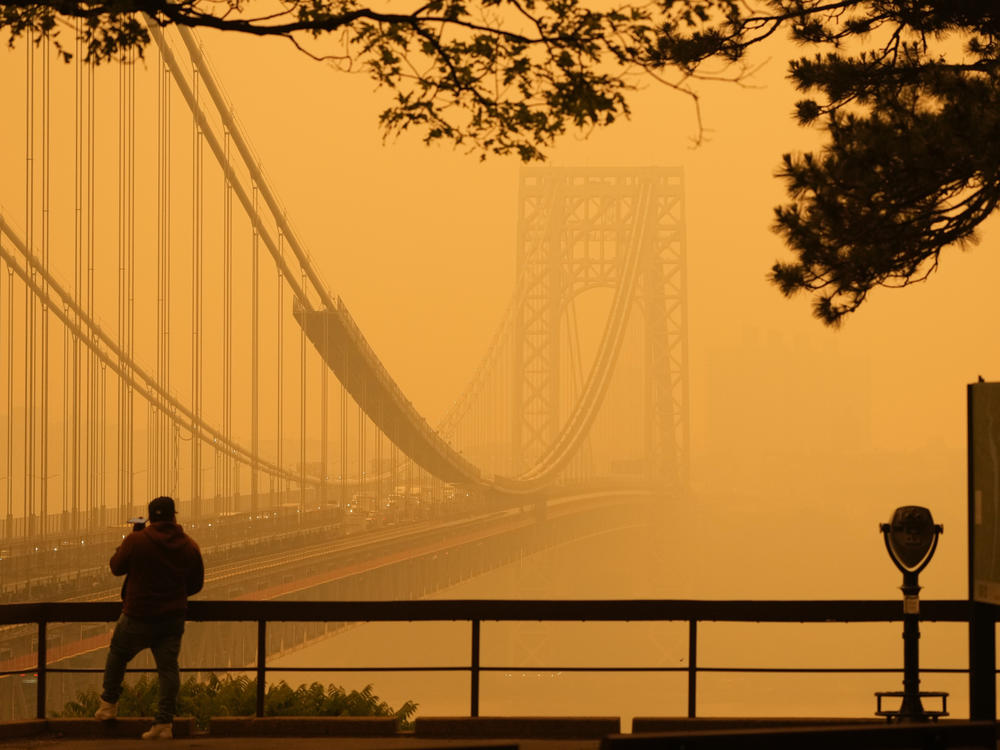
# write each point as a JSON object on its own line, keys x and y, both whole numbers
{"x": 164, "y": 568}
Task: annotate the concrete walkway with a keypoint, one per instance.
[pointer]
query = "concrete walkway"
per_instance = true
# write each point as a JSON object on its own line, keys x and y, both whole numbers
{"x": 290, "y": 743}
{"x": 488, "y": 733}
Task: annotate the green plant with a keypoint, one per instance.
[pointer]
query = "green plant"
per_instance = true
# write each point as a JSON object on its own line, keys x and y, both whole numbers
{"x": 236, "y": 696}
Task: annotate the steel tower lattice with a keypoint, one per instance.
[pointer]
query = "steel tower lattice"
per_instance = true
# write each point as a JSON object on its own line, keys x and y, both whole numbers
{"x": 574, "y": 225}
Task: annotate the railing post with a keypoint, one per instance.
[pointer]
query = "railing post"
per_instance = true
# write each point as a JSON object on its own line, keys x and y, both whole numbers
{"x": 261, "y": 660}
{"x": 982, "y": 662}
{"x": 474, "y": 669}
{"x": 692, "y": 668}
{"x": 43, "y": 657}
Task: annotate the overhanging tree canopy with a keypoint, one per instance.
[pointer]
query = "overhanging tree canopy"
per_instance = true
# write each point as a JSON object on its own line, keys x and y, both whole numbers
{"x": 906, "y": 90}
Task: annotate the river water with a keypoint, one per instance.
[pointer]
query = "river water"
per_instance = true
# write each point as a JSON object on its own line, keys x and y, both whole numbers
{"x": 713, "y": 549}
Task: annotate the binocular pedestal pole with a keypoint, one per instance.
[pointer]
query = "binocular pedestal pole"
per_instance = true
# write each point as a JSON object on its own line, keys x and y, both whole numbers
{"x": 911, "y": 709}
{"x": 911, "y": 538}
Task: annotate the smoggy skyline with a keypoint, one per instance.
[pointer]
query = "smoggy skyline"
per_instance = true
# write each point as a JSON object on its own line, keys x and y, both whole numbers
{"x": 787, "y": 416}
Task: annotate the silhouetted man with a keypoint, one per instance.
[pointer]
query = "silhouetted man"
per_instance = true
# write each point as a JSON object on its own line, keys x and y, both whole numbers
{"x": 163, "y": 566}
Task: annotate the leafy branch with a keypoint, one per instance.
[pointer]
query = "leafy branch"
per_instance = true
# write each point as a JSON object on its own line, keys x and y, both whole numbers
{"x": 906, "y": 92}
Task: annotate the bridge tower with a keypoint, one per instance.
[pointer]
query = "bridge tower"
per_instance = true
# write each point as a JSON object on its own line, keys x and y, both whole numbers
{"x": 574, "y": 226}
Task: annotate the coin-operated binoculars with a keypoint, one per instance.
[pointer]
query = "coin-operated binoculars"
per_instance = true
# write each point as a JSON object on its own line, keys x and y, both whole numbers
{"x": 911, "y": 538}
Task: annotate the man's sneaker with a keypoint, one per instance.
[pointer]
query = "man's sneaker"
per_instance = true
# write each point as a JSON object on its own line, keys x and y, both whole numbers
{"x": 159, "y": 732}
{"x": 106, "y": 711}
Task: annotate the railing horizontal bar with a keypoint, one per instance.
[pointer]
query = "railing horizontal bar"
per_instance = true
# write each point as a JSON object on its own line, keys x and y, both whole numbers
{"x": 779, "y": 670}
{"x": 149, "y": 670}
{"x": 583, "y": 669}
{"x": 641, "y": 610}
{"x": 466, "y": 669}
{"x": 368, "y": 669}
{"x": 827, "y": 670}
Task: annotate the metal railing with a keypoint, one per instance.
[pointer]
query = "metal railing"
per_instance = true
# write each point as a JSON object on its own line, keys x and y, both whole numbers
{"x": 475, "y": 612}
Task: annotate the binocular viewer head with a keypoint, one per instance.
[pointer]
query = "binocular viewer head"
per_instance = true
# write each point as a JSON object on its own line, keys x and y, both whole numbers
{"x": 911, "y": 537}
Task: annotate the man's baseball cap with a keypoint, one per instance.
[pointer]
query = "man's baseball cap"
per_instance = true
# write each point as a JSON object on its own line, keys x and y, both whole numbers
{"x": 161, "y": 509}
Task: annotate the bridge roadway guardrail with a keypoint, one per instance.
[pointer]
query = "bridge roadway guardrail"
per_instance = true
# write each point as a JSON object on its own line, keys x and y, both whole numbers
{"x": 475, "y": 612}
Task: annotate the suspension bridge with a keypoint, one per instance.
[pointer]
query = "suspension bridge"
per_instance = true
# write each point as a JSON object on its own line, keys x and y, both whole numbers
{"x": 206, "y": 374}
{"x": 163, "y": 330}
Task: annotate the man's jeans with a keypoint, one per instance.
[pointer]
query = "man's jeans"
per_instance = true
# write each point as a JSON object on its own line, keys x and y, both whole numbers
{"x": 131, "y": 636}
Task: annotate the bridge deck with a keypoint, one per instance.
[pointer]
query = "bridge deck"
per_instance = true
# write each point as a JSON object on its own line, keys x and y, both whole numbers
{"x": 343, "y": 347}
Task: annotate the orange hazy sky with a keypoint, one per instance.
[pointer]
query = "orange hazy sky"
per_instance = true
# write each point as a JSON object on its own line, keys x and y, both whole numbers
{"x": 788, "y": 415}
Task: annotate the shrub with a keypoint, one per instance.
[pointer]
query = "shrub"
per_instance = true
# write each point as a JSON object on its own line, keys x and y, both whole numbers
{"x": 237, "y": 696}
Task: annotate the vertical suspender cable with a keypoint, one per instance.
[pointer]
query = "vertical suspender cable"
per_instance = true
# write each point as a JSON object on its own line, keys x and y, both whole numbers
{"x": 409, "y": 477}
{"x": 227, "y": 326}
{"x": 152, "y": 448}
{"x": 217, "y": 477}
{"x": 125, "y": 428}
{"x": 4, "y": 527}
{"x": 153, "y": 424}
{"x": 29, "y": 307}
{"x": 236, "y": 467}
{"x": 126, "y": 258}
{"x": 96, "y": 491}
{"x": 496, "y": 427}
{"x": 169, "y": 466}
{"x": 67, "y": 424}
{"x": 507, "y": 399}
{"x": 486, "y": 404}
{"x": 254, "y": 355}
{"x": 496, "y": 396}
{"x": 480, "y": 438}
{"x": 104, "y": 438}
{"x": 394, "y": 459}
{"x": 502, "y": 409}
{"x": 44, "y": 412}
{"x": 342, "y": 469}
{"x": 130, "y": 277}
{"x": 122, "y": 337}
{"x": 10, "y": 403}
{"x": 324, "y": 379}
{"x": 76, "y": 445}
{"x": 378, "y": 459}
{"x": 164, "y": 463}
{"x": 152, "y": 412}
{"x": 282, "y": 483}
{"x": 302, "y": 419}
{"x": 9, "y": 393}
{"x": 197, "y": 240}
{"x": 361, "y": 445}
{"x": 157, "y": 438}
{"x": 503, "y": 403}
{"x": 4, "y": 522}
{"x": 163, "y": 281}
{"x": 498, "y": 439}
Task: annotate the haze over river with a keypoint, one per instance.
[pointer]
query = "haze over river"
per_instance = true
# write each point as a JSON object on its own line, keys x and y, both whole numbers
{"x": 716, "y": 547}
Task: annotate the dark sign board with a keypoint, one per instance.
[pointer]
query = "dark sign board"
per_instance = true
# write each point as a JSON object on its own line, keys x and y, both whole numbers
{"x": 984, "y": 491}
